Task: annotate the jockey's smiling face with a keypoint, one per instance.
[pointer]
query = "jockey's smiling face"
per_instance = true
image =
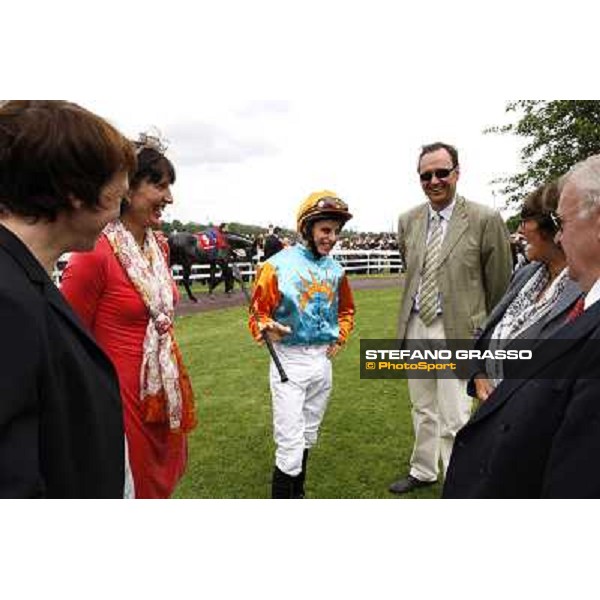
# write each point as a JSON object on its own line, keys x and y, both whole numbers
{"x": 325, "y": 234}
{"x": 148, "y": 201}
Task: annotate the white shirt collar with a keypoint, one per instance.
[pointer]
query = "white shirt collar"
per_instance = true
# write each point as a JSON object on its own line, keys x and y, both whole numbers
{"x": 592, "y": 296}
{"x": 445, "y": 213}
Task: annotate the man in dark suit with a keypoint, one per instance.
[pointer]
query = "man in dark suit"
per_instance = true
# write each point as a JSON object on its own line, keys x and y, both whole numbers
{"x": 538, "y": 435}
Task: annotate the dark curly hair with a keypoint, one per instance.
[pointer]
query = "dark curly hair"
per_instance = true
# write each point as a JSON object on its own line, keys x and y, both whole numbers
{"x": 152, "y": 166}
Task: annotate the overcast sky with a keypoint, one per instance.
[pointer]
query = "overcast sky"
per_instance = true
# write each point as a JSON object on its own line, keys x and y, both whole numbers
{"x": 264, "y": 102}
{"x": 253, "y": 160}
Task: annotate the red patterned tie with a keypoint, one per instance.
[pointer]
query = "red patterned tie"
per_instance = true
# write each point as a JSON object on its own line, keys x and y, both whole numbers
{"x": 576, "y": 311}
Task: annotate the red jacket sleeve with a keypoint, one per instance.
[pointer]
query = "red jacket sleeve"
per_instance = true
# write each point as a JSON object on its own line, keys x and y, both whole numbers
{"x": 83, "y": 282}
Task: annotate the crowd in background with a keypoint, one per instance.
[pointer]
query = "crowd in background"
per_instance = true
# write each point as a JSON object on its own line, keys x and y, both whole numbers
{"x": 355, "y": 241}
{"x": 369, "y": 241}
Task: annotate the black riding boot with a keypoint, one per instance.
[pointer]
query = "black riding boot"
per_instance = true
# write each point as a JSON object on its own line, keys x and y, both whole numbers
{"x": 299, "y": 483}
{"x": 282, "y": 485}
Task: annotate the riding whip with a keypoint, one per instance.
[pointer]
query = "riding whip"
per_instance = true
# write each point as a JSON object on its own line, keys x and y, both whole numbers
{"x": 238, "y": 277}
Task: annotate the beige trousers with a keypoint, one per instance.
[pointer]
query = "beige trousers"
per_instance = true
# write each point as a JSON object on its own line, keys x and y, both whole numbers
{"x": 440, "y": 407}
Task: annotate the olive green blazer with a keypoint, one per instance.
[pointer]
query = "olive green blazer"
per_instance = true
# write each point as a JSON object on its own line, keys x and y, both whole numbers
{"x": 475, "y": 266}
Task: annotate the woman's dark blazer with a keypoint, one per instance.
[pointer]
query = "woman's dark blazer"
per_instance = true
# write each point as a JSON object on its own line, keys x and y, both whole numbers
{"x": 543, "y": 328}
{"x": 61, "y": 420}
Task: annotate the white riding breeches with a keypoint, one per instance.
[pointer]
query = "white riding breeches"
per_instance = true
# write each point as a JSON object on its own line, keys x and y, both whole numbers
{"x": 298, "y": 404}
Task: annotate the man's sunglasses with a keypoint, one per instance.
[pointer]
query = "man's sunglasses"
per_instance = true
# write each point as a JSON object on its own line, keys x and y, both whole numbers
{"x": 427, "y": 176}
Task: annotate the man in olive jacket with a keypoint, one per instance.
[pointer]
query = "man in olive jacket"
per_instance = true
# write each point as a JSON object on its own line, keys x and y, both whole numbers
{"x": 458, "y": 265}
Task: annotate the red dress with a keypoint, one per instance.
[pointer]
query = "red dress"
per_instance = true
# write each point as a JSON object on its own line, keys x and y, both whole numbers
{"x": 100, "y": 291}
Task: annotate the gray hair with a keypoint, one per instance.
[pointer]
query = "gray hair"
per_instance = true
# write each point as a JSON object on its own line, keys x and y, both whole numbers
{"x": 585, "y": 176}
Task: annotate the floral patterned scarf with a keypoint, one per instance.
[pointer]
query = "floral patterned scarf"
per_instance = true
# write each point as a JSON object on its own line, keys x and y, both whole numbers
{"x": 528, "y": 307}
{"x": 166, "y": 393}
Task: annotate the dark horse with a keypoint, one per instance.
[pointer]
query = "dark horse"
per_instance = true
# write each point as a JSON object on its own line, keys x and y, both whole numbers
{"x": 185, "y": 251}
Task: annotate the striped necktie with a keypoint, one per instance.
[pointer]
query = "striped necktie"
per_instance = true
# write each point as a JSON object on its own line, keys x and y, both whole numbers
{"x": 428, "y": 297}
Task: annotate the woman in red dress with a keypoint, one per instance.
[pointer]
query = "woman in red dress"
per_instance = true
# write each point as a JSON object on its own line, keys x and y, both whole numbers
{"x": 124, "y": 292}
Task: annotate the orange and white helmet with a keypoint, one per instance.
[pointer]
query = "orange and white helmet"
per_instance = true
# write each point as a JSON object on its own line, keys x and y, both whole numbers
{"x": 319, "y": 206}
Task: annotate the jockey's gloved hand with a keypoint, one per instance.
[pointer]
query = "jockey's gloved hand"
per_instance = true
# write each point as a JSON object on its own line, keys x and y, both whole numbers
{"x": 275, "y": 330}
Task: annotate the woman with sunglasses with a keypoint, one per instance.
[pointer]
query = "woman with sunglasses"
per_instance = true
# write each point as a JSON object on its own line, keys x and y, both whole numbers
{"x": 540, "y": 296}
{"x": 302, "y": 300}
{"x": 124, "y": 292}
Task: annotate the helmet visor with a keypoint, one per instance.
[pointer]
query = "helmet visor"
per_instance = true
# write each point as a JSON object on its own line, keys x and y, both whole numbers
{"x": 328, "y": 204}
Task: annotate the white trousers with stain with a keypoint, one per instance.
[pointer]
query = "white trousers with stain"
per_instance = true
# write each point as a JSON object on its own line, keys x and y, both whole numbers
{"x": 298, "y": 404}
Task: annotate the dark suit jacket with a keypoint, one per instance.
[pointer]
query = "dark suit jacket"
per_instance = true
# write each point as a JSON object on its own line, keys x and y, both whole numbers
{"x": 61, "y": 421}
{"x": 543, "y": 328}
{"x": 539, "y": 435}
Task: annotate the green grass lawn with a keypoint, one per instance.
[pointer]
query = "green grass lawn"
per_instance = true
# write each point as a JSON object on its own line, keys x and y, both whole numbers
{"x": 366, "y": 436}
{"x": 200, "y": 288}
